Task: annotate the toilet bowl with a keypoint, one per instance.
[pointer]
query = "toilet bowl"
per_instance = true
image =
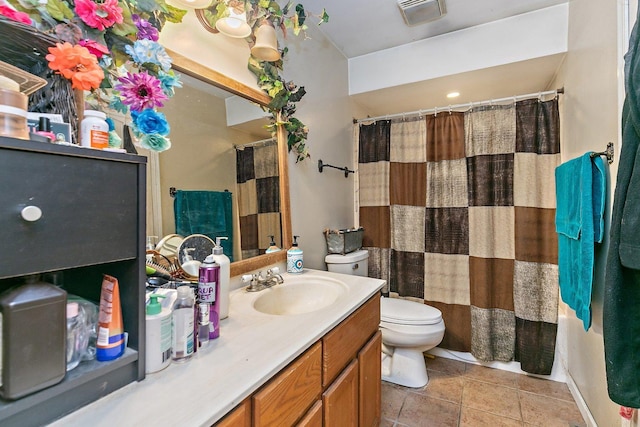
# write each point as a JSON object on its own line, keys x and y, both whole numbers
{"x": 408, "y": 328}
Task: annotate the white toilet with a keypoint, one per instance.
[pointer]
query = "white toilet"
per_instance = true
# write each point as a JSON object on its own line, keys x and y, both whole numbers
{"x": 408, "y": 328}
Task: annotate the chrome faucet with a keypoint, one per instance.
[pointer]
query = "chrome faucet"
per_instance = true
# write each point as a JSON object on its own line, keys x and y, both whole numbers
{"x": 258, "y": 283}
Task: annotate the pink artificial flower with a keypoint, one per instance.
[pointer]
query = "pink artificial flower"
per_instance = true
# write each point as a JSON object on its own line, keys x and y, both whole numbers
{"x": 141, "y": 91}
{"x": 626, "y": 413}
{"x": 94, "y": 47}
{"x": 15, "y": 15}
{"x": 99, "y": 15}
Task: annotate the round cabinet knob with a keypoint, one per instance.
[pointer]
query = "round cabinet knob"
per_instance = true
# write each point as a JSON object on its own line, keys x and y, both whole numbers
{"x": 31, "y": 213}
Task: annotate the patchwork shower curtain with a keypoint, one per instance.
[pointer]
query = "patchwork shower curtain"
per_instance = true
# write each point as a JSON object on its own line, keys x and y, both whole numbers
{"x": 258, "y": 198}
{"x": 458, "y": 211}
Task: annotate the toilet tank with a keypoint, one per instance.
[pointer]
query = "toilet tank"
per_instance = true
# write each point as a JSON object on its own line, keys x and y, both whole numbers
{"x": 355, "y": 263}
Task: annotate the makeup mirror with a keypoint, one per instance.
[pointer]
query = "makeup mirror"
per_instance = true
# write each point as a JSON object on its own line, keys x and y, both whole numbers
{"x": 219, "y": 152}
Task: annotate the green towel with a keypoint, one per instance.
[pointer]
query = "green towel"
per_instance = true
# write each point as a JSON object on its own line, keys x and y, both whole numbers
{"x": 205, "y": 212}
{"x": 621, "y": 310}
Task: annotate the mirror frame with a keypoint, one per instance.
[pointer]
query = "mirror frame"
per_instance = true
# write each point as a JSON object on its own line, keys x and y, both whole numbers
{"x": 210, "y": 76}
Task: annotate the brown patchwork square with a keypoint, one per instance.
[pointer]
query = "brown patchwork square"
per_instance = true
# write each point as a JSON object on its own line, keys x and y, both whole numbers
{"x": 375, "y": 140}
{"x": 447, "y": 230}
{"x": 535, "y": 235}
{"x": 490, "y": 180}
{"x": 537, "y": 127}
{"x": 457, "y": 322}
{"x": 249, "y": 232}
{"x": 376, "y": 221}
{"x": 408, "y": 184}
{"x": 445, "y": 137}
{"x": 407, "y": 273}
{"x": 491, "y": 282}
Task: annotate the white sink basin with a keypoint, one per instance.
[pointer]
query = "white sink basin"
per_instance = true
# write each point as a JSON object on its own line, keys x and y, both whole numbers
{"x": 299, "y": 295}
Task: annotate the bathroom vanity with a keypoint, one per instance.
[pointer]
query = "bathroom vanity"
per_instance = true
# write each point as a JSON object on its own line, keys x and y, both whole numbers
{"x": 74, "y": 214}
{"x": 266, "y": 369}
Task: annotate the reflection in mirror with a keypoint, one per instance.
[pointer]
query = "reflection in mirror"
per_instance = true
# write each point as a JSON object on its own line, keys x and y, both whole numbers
{"x": 220, "y": 178}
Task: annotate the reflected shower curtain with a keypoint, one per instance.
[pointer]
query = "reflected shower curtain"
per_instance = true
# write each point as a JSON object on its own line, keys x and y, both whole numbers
{"x": 458, "y": 211}
{"x": 258, "y": 198}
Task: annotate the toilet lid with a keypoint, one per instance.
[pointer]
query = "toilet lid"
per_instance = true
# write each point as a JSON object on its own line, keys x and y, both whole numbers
{"x": 394, "y": 310}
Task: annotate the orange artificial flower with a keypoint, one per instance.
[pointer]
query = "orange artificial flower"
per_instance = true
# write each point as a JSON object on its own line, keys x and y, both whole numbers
{"x": 77, "y": 64}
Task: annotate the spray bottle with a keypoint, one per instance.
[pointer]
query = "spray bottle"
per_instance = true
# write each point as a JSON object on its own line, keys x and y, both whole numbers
{"x": 294, "y": 257}
{"x": 209, "y": 292}
{"x": 225, "y": 277}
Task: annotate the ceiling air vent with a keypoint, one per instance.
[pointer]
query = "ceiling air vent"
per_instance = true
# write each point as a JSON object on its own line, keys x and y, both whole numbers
{"x": 420, "y": 11}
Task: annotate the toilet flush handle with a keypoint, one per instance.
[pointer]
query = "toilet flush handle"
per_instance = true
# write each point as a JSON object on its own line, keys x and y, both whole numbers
{"x": 356, "y": 266}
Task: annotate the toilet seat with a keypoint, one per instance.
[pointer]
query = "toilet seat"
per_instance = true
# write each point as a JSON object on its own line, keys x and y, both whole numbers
{"x": 404, "y": 312}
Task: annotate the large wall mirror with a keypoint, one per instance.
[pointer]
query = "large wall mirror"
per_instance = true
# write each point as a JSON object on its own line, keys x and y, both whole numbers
{"x": 219, "y": 144}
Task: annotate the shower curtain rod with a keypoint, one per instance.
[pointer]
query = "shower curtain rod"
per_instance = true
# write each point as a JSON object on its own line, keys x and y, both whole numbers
{"x": 261, "y": 143}
{"x": 464, "y": 106}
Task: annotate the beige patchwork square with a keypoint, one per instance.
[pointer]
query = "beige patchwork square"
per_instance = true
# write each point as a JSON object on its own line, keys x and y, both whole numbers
{"x": 535, "y": 291}
{"x": 374, "y": 183}
{"x": 491, "y": 232}
{"x": 409, "y": 141}
{"x": 265, "y": 161}
{"x": 446, "y": 278}
{"x": 490, "y": 130}
{"x": 447, "y": 184}
{"x": 247, "y": 198}
{"x": 269, "y": 225}
{"x": 407, "y": 228}
{"x": 530, "y": 168}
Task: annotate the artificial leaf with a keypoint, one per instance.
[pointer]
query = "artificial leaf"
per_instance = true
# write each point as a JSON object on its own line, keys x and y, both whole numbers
{"x": 59, "y": 10}
{"x": 126, "y": 27}
{"x": 174, "y": 14}
{"x": 264, "y": 3}
{"x": 147, "y": 5}
{"x": 300, "y": 13}
{"x": 324, "y": 17}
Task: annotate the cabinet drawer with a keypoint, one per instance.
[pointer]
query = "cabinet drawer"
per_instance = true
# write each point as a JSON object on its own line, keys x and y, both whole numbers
{"x": 89, "y": 211}
{"x": 313, "y": 418}
{"x": 239, "y": 417}
{"x": 286, "y": 398}
{"x": 343, "y": 342}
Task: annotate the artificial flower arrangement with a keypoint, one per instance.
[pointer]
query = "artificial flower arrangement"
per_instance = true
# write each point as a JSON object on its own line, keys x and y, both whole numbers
{"x": 284, "y": 95}
{"x": 110, "y": 49}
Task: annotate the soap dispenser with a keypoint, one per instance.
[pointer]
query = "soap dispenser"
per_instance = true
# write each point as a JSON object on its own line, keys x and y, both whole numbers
{"x": 294, "y": 257}
{"x": 190, "y": 265}
{"x": 272, "y": 246}
{"x": 225, "y": 276}
{"x": 157, "y": 336}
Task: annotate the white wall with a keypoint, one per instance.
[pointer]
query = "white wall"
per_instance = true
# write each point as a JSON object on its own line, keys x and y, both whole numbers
{"x": 590, "y": 118}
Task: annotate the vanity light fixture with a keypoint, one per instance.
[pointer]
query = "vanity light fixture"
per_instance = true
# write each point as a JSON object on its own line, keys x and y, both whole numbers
{"x": 235, "y": 25}
{"x": 266, "y": 46}
{"x": 453, "y": 94}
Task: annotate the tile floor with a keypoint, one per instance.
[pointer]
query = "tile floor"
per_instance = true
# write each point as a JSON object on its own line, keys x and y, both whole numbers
{"x": 466, "y": 395}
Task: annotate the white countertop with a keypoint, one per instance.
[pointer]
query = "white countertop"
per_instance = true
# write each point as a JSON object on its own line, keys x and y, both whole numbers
{"x": 252, "y": 347}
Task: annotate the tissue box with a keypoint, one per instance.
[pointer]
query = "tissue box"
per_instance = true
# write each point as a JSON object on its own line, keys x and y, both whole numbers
{"x": 344, "y": 241}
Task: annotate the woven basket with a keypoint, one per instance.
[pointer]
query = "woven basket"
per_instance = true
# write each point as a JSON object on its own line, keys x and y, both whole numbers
{"x": 25, "y": 47}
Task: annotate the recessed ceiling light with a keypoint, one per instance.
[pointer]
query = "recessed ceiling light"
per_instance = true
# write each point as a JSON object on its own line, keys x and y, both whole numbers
{"x": 453, "y": 94}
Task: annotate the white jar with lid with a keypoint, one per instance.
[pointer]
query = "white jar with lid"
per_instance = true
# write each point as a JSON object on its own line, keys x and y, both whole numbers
{"x": 94, "y": 129}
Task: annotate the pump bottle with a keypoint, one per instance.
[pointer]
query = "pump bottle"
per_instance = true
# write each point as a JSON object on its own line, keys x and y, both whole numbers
{"x": 182, "y": 322}
{"x": 272, "y": 246}
{"x": 225, "y": 277}
{"x": 294, "y": 257}
{"x": 158, "y": 336}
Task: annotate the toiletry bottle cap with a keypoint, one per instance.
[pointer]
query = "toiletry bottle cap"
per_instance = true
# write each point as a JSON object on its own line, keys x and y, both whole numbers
{"x": 184, "y": 291}
{"x": 44, "y": 124}
{"x": 154, "y": 307}
{"x": 295, "y": 241}
{"x": 217, "y": 249}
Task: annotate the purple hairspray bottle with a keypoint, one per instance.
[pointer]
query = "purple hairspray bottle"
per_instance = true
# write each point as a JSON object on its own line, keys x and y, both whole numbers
{"x": 209, "y": 292}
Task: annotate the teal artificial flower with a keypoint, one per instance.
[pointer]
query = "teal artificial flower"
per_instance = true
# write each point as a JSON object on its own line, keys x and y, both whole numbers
{"x": 147, "y": 51}
{"x": 168, "y": 82}
{"x": 150, "y": 122}
{"x": 155, "y": 142}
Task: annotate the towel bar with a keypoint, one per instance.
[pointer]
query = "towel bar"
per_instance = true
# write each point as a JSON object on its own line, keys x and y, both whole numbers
{"x": 608, "y": 153}
{"x": 345, "y": 169}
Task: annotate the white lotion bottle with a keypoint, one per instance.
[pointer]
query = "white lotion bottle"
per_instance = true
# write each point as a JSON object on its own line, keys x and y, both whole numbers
{"x": 225, "y": 276}
{"x": 158, "y": 336}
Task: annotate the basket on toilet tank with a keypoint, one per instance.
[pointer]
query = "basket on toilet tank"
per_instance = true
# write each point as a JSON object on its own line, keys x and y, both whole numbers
{"x": 354, "y": 263}
{"x": 343, "y": 241}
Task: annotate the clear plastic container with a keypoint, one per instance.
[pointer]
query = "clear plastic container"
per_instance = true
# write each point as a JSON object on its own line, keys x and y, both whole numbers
{"x": 13, "y": 114}
{"x": 76, "y": 332}
{"x": 182, "y": 323}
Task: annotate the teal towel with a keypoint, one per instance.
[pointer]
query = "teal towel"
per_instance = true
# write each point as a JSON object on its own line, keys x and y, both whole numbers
{"x": 205, "y": 212}
{"x": 580, "y": 200}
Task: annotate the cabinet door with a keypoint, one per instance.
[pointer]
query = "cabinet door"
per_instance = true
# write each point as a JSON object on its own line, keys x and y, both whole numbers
{"x": 239, "y": 417}
{"x": 340, "y": 401}
{"x": 313, "y": 417}
{"x": 288, "y": 396}
{"x": 370, "y": 381}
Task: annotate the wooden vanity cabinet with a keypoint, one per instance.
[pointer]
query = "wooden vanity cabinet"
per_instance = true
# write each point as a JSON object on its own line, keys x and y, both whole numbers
{"x": 93, "y": 207}
{"x": 336, "y": 382}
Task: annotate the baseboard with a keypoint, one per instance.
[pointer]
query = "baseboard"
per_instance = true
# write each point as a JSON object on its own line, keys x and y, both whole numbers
{"x": 582, "y": 405}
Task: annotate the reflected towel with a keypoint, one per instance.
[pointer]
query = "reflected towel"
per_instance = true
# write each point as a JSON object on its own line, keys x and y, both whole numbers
{"x": 205, "y": 212}
{"x": 580, "y": 198}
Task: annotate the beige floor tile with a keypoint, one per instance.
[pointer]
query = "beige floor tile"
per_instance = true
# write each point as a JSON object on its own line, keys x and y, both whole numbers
{"x": 545, "y": 387}
{"x": 443, "y": 386}
{"x": 548, "y": 412}
{"x": 421, "y": 411}
{"x": 470, "y": 417}
{"x": 445, "y": 365}
{"x": 494, "y": 376}
{"x": 387, "y": 423}
{"x": 392, "y": 399}
{"x": 496, "y": 399}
